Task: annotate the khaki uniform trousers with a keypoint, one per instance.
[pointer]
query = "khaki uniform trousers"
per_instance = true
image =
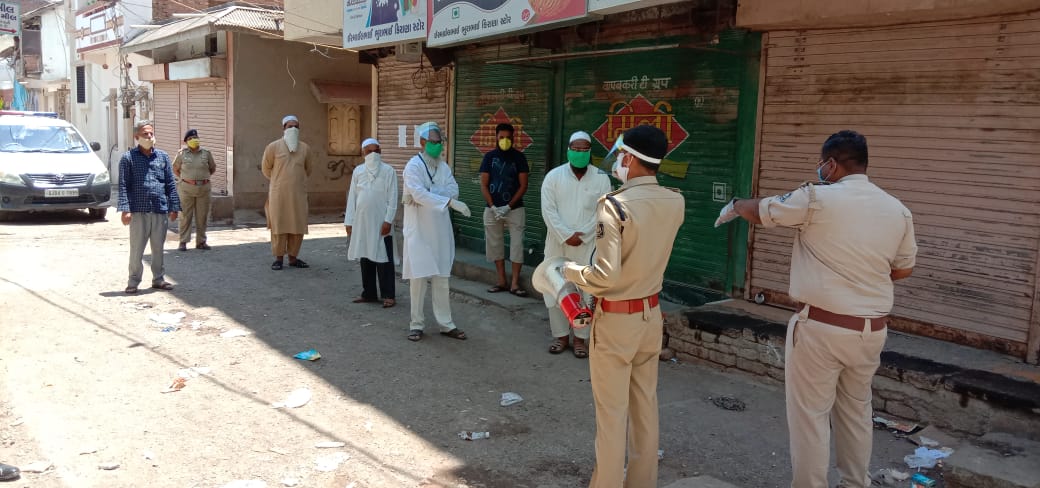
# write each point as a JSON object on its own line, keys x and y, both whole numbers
{"x": 623, "y": 357}
{"x": 828, "y": 373}
{"x": 195, "y": 203}
{"x": 282, "y": 244}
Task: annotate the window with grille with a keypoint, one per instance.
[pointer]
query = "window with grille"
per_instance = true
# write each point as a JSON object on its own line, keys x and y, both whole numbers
{"x": 81, "y": 84}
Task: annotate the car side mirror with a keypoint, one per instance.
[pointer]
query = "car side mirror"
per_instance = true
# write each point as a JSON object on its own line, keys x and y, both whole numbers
{"x": 95, "y": 146}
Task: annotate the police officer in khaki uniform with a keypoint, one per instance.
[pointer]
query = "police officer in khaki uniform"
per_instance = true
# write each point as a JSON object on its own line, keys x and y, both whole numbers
{"x": 636, "y": 226}
{"x": 853, "y": 241}
{"x": 193, "y": 167}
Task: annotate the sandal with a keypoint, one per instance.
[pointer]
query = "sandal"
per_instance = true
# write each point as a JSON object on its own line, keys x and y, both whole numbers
{"x": 389, "y": 302}
{"x": 365, "y": 300}
{"x": 497, "y": 289}
{"x": 162, "y": 286}
{"x": 299, "y": 264}
{"x": 455, "y": 334}
{"x": 130, "y": 290}
{"x": 415, "y": 335}
{"x": 277, "y": 265}
{"x": 558, "y": 345}
{"x": 581, "y": 349}
{"x": 520, "y": 292}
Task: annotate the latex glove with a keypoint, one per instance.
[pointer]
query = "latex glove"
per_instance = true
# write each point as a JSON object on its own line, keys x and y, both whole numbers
{"x": 407, "y": 199}
{"x": 501, "y": 212}
{"x": 727, "y": 214}
{"x": 459, "y": 207}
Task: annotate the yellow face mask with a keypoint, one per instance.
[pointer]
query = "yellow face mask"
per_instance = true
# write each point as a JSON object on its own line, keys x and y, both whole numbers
{"x": 193, "y": 143}
{"x": 504, "y": 144}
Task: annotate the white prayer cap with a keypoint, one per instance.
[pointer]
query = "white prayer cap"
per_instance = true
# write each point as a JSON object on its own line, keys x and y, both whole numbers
{"x": 289, "y": 118}
{"x": 368, "y": 142}
{"x": 426, "y": 128}
{"x": 581, "y": 136}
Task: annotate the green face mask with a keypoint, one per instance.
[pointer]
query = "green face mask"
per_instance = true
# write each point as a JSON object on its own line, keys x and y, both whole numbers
{"x": 579, "y": 159}
{"x": 434, "y": 148}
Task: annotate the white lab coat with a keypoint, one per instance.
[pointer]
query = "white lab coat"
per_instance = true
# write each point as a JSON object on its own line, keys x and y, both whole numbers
{"x": 569, "y": 206}
{"x": 429, "y": 241}
{"x": 371, "y": 201}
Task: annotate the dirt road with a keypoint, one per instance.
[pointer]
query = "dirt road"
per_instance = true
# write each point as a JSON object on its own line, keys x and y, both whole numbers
{"x": 83, "y": 368}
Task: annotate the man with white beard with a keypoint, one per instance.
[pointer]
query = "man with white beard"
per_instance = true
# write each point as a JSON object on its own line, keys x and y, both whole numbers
{"x": 287, "y": 163}
{"x": 429, "y": 243}
{"x": 371, "y": 207}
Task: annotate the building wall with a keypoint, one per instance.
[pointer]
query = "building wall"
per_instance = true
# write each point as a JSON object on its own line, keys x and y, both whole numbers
{"x": 771, "y": 14}
{"x": 271, "y": 78}
{"x": 55, "y": 45}
{"x": 314, "y": 21}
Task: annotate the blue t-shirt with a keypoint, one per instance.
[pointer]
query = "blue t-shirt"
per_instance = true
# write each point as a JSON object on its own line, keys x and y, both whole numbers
{"x": 504, "y": 168}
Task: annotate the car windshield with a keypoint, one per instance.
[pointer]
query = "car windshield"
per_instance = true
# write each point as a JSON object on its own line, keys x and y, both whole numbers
{"x": 21, "y": 138}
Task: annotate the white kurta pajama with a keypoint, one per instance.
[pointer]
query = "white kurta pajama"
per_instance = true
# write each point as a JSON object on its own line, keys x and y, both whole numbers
{"x": 429, "y": 241}
{"x": 371, "y": 201}
{"x": 569, "y": 206}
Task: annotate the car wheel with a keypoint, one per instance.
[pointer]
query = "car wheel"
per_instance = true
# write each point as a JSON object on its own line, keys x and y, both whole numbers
{"x": 98, "y": 213}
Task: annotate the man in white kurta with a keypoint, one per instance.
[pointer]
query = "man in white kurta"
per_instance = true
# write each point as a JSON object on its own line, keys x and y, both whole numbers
{"x": 429, "y": 242}
{"x": 371, "y": 207}
{"x": 287, "y": 163}
{"x": 569, "y": 196}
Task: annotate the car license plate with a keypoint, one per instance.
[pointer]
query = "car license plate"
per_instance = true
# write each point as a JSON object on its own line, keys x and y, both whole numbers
{"x": 61, "y": 192}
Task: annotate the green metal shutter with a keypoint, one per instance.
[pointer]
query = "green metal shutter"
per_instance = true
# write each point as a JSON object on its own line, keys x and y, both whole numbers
{"x": 694, "y": 96}
{"x": 523, "y": 94}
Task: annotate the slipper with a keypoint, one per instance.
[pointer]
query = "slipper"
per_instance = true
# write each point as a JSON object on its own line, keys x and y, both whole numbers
{"x": 389, "y": 302}
{"x": 455, "y": 334}
{"x": 581, "y": 348}
{"x": 365, "y": 300}
{"x": 299, "y": 264}
{"x": 415, "y": 335}
{"x": 130, "y": 290}
{"x": 496, "y": 289}
{"x": 558, "y": 345}
{"x": 162, "y": 286}
{"x": 520, "y": 292}
{"x": 277, "y": 265}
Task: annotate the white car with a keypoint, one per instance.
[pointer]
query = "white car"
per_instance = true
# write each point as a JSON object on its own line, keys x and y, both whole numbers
{"x": 45, "y": 164}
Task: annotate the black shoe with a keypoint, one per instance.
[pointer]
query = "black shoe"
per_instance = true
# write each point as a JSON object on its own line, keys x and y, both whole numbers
{"x": 183, "y": 246}
{"x": 203, "y": 246}
{"x": 8, "y": 472}
{"x": 277, "y": 265}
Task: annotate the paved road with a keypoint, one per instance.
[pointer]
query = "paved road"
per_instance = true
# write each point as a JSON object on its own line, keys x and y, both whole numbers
{"x": 83, "y": 368}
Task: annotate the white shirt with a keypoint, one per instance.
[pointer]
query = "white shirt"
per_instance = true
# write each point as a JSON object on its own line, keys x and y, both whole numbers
{"x": 371, "y": 201}
{"x": 429, "y": 241}
{"x": 569, "y": 206}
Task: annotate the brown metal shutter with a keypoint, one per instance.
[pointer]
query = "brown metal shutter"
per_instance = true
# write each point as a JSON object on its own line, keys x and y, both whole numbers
{"x": 207, "y": 112}
{"x": 166, "y": 114}
{"x": 408, "y": 96}
{"x": 951, "y": 111}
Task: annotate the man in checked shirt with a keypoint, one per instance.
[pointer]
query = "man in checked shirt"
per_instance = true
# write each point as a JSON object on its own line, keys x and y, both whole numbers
{"x": 148, "y": 201}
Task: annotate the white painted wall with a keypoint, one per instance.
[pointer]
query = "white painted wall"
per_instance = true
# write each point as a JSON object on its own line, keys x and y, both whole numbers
{"x": 54, "y": 40}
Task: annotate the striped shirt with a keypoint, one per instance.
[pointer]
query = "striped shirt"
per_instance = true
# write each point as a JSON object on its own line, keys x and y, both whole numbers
{"x": 146, "y": 183}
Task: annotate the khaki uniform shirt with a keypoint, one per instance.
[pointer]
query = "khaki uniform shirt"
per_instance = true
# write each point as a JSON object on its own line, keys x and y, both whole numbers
{"x": 633, "y": 241}
{"x": 194, "y": 165}
{"x": 851, "y": 235}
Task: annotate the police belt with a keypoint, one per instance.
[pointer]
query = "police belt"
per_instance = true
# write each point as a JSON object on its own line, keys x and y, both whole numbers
{"x": 626, "y": 306}
{"x": 846, "y": 321}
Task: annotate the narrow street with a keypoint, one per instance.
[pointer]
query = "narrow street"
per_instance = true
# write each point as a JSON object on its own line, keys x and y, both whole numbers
{"x": 83, "y": 369}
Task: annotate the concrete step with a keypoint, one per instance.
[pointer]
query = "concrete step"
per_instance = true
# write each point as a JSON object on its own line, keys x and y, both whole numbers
{"x": 994, "y": 460}
{"x": 701, "y": 482}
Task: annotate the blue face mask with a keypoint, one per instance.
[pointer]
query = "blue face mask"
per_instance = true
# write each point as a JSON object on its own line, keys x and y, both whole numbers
{"x": 819, "y": 172}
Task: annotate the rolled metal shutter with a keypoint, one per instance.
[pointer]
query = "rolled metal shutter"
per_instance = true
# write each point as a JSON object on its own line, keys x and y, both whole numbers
{"x": 408, "y": 95}
{"x": 951, "y": 112}
{"x": 166, "y": 113}
{"x": 207, "y": 112}
{"x": 523, "y": 93}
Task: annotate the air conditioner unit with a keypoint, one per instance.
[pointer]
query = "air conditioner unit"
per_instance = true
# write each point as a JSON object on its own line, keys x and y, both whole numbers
{"x": 409, "y": 52}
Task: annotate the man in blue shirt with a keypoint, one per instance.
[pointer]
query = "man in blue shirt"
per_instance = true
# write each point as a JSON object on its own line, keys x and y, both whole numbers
{"x": 148, "y": 201}
{"x": 503, "y": 181}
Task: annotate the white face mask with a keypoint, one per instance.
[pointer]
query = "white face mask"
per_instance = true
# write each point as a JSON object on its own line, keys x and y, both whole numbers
{"x": 372, "y": 161}
{"x": 621, "y": 171}
{"x": 146, "y": 143}
{"x": 292, "y": 138}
